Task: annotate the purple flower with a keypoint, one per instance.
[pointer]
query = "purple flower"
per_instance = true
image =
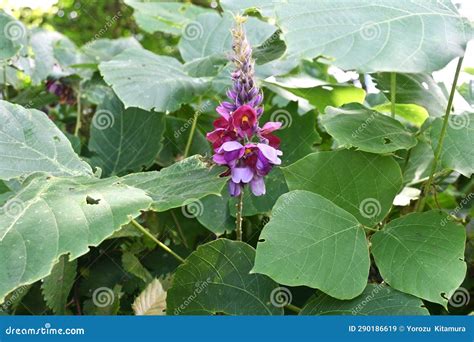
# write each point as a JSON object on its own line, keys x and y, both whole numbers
{"x": 249, "y": 151}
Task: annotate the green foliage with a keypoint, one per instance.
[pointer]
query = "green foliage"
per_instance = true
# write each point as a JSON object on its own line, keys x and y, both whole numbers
{"x": 215, "y": 279}
{"x": 110, "y": 202}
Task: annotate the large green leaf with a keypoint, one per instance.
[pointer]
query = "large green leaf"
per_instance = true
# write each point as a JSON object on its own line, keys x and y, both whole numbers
{"x": 101, "y": 50}
{"x": 366, "y": 129}
{"x": 211, "y": 35}
{"x": 364, "y": 184}
{"x": 380, "y": 35}
{"x": 148, "y": 81}
{"x": 420, "y": 89}
{"x": 53, "y": 216}
{"x": 58, "y": 284}
{"x": 124, "y": 140}
{"x": 422, "y": 254}
{"x": 376, "y": 300}
{"x": 310, "y": 241}
{"x": 179, "y": 184}
{"x": 30, "y": 142}
{"x": 215, "y": 279}
{"x": 164, "y": 16}
{"x": 456, "y": 152}
{"x": 54, "y": 53}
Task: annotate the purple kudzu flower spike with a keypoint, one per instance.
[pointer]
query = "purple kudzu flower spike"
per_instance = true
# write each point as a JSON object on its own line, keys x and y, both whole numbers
{"x": 248, "y": 150}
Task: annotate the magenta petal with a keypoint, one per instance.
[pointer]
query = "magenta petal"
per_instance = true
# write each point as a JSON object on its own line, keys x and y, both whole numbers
{"x": 257, "y": 185}
{"x": 224, "y": 112}
{"x": 270, "y": 127}
{"x": 219, "y": 159}
{"x": 242, "y": 174}
{"x": 270, "y": 153}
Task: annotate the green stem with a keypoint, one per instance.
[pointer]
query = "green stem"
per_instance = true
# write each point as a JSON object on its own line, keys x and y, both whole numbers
{"x": 293, "y": 308}
{"x": 191, "y": 134}
{"x": 5, "y": 85}
{"x": 393, "y": 92}
{"x": 180, "y": 231}
{"x": 426, "y": 189}
{"x": 79, "y": 113}
{"x": 158, "y": 242}
{"x": 238, "y": 220}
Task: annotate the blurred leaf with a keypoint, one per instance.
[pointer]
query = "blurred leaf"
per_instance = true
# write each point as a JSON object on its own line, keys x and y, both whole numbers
{"x": 12, "y": 36}
{"x": 412, "y": 113}
{"x": 102, "y": 50}
{"x": 164, "y": 16}
{"x": 132, "y": 265}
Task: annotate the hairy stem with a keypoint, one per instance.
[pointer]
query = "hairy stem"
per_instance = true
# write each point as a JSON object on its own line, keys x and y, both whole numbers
{"x": 393, "y": 92}
{"x": 191, "y": 134}
{"x": 426, "y": 188}
{"x": 158, "y": 242}
{"x": 238, "y": 221}
{"x": 293, "y": 308}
